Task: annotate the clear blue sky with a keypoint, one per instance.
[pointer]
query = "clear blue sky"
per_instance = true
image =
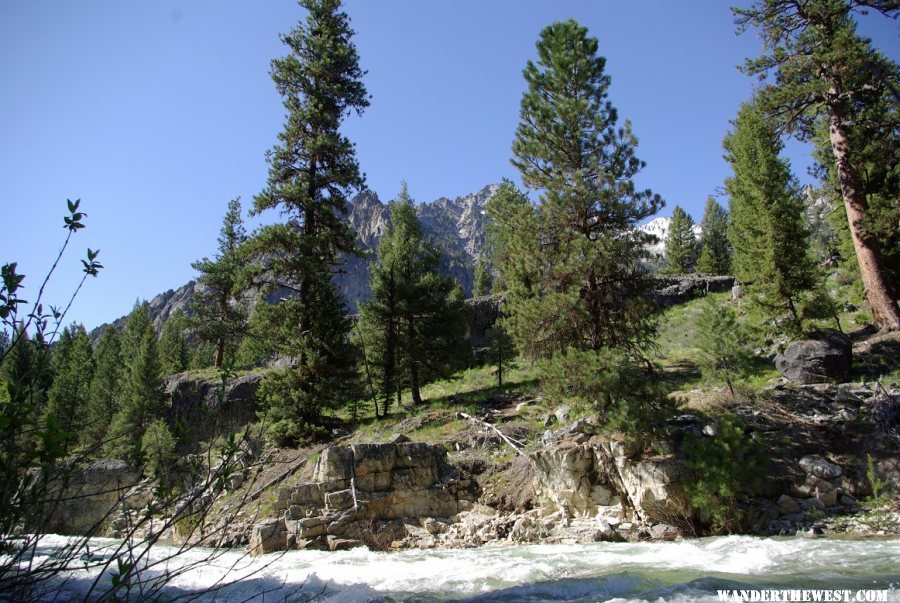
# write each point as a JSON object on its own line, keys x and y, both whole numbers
{"x": 157, "y": 113}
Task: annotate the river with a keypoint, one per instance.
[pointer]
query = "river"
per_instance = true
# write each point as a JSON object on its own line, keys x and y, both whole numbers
{"x": 690, "y": 570}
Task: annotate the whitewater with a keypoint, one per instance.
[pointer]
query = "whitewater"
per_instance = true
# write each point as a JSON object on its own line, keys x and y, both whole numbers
{"x": 689, "y": 570}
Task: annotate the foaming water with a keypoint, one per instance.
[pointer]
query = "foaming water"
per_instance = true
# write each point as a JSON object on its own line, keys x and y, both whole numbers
{"x": 690, "y": 570}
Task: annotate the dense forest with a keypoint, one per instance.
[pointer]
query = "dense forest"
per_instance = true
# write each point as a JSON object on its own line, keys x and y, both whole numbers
{"x": 565, "y": 260}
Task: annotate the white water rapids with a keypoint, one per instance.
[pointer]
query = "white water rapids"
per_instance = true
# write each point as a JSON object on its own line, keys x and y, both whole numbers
{"x": 689, "y": 570}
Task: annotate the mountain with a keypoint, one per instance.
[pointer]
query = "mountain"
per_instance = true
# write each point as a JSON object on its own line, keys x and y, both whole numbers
{"x": 659, "y": 227}
{"x": 456, "y": 226}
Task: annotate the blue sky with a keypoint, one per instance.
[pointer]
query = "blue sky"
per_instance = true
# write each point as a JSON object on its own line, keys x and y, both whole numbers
{"x": 157, "y": 113}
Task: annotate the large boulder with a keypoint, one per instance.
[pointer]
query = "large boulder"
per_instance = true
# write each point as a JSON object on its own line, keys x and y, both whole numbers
{"x": 826, "y": 356}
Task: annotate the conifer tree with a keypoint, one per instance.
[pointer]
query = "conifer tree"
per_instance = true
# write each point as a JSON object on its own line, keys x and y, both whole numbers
{"x": 413, "y": 325}
{"x": 142, "y": 395}
{"x": 820, "y": 66}
{"x": 483, "y": 279}
{"x": 216, "y": 309}
{"x": 67, "y": 400}
{"x": 312, "y": 172}
{"x": 725, "y": 351}
{"x": 767, "y": 230}
{"x": 104, "y": 398}
{"x": 876, "y": 154}
{"x": 173, "y": 352}
{"x": 136, "y": 324}
{"x": 715, "y": 249}
{"x": 580, "y": 289}
{"x": 681, "y": 244}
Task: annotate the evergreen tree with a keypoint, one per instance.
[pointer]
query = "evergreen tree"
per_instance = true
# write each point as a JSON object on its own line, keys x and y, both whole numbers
{"x": 136, "y": 324}
{"x": 173, "y": 352}
{"x": 767, "y": 230}
{"x": 413, "y": 325}
{"x": 105, "y": 393}
{"x": 580, "y": 290}
{"x": 25, "y": 375}
{"x": 67, "y": 400}
{"x": 483, "y": 279}
{"x": 725, "y": 351}
{"x": 142, "y": 395}
{"x": 216, "y": 309}
{"x": 715, "y": 249}
{"x": 876, "y": 155}
{"x": 681, "y": 244}
{"x": 312, "y": 172}
{"x": 822, "y": 67}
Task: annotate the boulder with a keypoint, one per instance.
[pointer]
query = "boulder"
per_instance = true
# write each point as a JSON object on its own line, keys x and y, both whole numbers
{"x": 819, "y": 467}
{"x": 268, "y": 537}
{"x": 825, "y": 357}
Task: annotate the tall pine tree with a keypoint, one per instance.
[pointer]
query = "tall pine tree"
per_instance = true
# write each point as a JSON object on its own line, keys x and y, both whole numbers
{"x": 141, "y": 389}
{"x": 412, "y": 326}
{"x": 173, "y": 352}
{"x": 312, "y": 172}
{"x": 216, "y": 309}
{"x": 817, "y": 65}
{"x": 767, "y": 230}
{"x": 579, "y": 295}
{"x": 681, "y": 244}
{"x": 67, "y": 400}
{"x": 715, "y": 249}
{"x": 483, "y": 279}
{"x": 104, "y": 399}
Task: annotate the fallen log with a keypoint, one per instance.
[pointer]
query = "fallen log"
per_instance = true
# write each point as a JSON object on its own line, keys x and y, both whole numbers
{"x": 503, "y": 436}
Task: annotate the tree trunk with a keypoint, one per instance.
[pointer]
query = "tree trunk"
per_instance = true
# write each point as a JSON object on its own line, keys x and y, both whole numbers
{"x": 220, "y": 352}
{"x": 306, "y": 282}
{"x": 413, "y": 365}
{"x": 882, "y": 300}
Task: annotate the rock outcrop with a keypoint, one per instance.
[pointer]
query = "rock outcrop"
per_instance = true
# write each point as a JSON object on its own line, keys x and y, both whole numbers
{"x": 203, "y": 406}
{"x": 365, "y": 494}
{"x": 407, "y": 494}
{"x": 825, "y": 357}
{"x": 678, "y": 289}
{"x": 609, "y": 482}
{"x": 83, "y": 498}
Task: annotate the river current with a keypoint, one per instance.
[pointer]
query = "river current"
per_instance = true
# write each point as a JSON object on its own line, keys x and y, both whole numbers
{"x": 690, "y": 570}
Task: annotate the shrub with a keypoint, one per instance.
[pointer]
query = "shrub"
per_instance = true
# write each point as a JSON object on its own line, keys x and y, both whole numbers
{"x": 721, "y": 469}
{"x": 292, "y": 432}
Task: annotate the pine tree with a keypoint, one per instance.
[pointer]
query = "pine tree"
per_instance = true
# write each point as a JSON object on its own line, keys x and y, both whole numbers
{"x": 142, "y": 395}
{"x": 822, "y": 67}
{"x": 725, "y": 351}
{"x": 413, "y": 325}
{"x": 767, "y": 230}
{"x": 312, "y": 172}
{"x": 715, "y": 249}
{"x": 105, "y": 393}
{"x": 25, "y": 375}
{"x": 580, "y": 290}
{"x": 67, "y": 400}
{"x": 217, "y": 313}
{"x": 136, "y": 324}
{"x": 681, "y": 244}
{"x": 512, "y": 231}
{"x": 483, "y": 279}
{"x": 173, "y": 352}
{"x": 876, "y": 155}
